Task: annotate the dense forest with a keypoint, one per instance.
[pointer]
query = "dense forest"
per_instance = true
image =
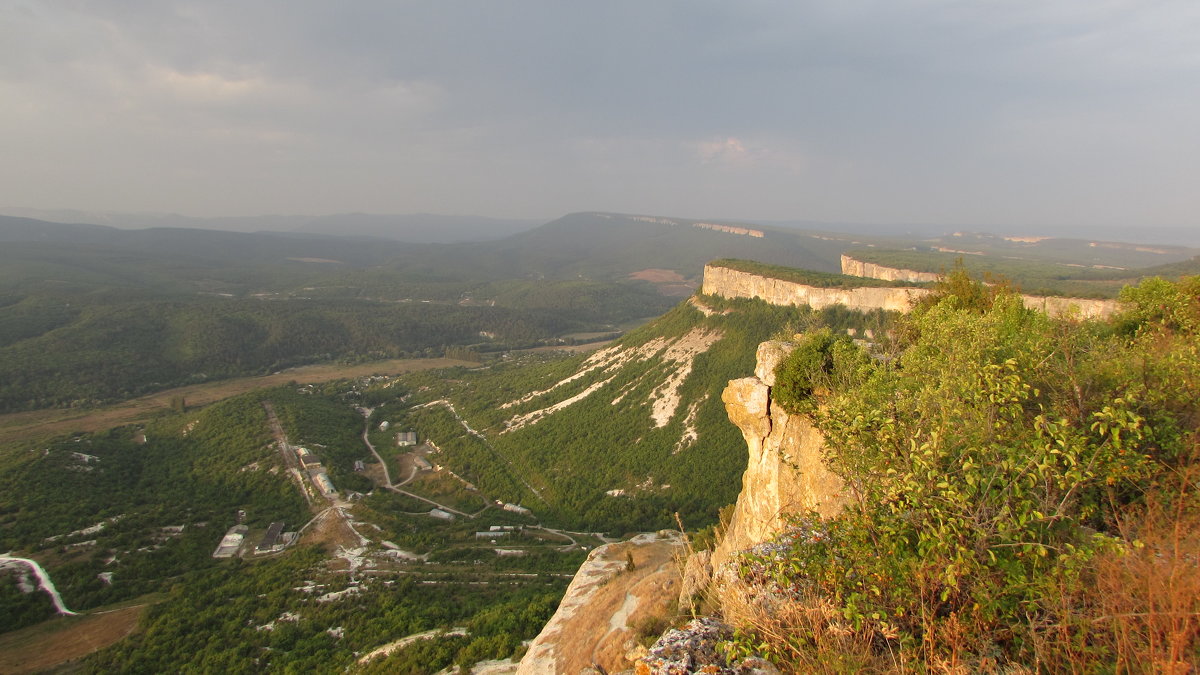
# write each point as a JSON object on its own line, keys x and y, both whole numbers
{"x": 1021, "y": 493}
{"x": 78, "y": 351}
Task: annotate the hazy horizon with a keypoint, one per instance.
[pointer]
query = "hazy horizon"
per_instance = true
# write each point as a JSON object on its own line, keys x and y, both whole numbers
{"x": 1069, "y": 118}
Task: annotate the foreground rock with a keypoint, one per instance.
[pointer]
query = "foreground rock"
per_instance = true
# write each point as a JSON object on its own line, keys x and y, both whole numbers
{"x": 695, "y": 648}
{"x": 593, "y": 624}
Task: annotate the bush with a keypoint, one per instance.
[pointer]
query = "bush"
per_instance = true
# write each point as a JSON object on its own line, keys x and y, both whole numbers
{"x": 821, "y": 361}
{"x": 1021, "y": 491}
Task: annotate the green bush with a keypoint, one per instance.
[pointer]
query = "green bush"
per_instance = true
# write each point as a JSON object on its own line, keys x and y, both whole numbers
{"x": 821, "y": 361}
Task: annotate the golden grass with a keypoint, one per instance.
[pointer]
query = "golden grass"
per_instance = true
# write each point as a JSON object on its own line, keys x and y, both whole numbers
{"x": 58, "y": 641}
{"x": 45, "y": 423}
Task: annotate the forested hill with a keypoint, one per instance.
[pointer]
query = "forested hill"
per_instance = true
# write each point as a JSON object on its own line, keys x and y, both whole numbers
{"x": 621, "y": 439}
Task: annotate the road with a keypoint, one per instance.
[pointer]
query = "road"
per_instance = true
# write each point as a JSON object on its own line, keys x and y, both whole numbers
{"x": 387, "y": 476}
{"x": 512, "y": 469}
{"x": 285, "y": 451}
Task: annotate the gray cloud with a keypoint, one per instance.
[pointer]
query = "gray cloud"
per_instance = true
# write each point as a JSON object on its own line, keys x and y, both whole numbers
{"x": 1015, "y": 111}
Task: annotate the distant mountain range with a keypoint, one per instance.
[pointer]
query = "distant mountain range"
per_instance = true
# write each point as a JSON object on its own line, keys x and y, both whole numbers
{"x": 593, "y": 246}
{"x": 412, "y": 227}
{"x": 444, "y": 229}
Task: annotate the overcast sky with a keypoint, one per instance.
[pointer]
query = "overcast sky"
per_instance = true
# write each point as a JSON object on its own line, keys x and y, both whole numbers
{"x": 1020, "y": 112}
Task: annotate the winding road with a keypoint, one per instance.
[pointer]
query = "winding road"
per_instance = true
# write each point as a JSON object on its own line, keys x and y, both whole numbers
{"x": 512, "y": 469}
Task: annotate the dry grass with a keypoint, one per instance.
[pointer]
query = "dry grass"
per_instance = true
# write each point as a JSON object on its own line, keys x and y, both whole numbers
{"x": 44, "y": 423}
{"x": 808, "y": 634}
{"x": 56, "y": 642}
{"x": 1143, "y": 611}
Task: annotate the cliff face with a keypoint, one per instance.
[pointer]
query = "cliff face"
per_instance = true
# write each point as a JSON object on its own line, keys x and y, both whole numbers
{"x": 859, "y": 268}
{"x": 734, "y": 284}
{"x": 786, "y": 473}
{"x": 729, "y": 283}
{"x": 1084, "y": 308}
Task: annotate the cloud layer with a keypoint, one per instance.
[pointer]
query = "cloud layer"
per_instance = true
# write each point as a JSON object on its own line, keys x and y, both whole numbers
{"x": 1024, "y": 112}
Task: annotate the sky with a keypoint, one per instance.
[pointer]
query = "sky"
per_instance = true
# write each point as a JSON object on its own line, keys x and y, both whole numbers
{"x": 1075, "y": 113}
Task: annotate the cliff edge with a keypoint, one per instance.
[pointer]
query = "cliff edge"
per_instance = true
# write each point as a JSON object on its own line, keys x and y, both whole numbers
{"x": 786, "y": 472}
{"x": 731, "y": 283}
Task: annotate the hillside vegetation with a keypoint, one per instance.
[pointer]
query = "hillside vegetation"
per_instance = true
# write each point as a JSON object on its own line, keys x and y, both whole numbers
{"x": 1023, "y": 496}
{"x": 621, "y": 439}
{"x": 143, "y": 511}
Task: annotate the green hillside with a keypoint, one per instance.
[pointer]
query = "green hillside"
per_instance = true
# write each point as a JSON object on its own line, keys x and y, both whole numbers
{"x": 641, "y": 420}
{"x": 189, "y": 471}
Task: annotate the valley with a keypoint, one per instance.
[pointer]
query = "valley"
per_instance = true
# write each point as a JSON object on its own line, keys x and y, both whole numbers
{"x": 396, "y": 514}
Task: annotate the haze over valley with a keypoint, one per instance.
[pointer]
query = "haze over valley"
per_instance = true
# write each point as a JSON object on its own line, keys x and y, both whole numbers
{"x": 616, "y": 338}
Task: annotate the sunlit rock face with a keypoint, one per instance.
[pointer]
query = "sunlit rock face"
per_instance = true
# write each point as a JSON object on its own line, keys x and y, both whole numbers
{"x": 786, "y": 471}
{"x": 729, "y": 283}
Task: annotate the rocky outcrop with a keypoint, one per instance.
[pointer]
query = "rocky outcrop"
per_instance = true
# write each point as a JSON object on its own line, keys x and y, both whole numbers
{"x": 785, "y": 472}
{"x": 731, "y": 283}
{"x": 694, "y": 648}
{"x": 593, "y": 625}
{"x": 858, "y": 268}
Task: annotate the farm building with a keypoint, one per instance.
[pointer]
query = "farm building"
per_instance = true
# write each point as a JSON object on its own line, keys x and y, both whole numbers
{"x": 231, "y": 542}
{"x": 271, "y": 539}
{"x": 440, "y": 514}
{"x": 514, "y": 508}
{"x": 321, "y": 479}
{"x": 406, "y": 438}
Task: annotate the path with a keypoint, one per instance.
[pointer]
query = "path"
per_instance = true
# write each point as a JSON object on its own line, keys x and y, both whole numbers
{"x": 512, "y": 469}
{"x": 387, "y": 476}
{"x": 405, "y": 641}
{"x": 44, "y": 582}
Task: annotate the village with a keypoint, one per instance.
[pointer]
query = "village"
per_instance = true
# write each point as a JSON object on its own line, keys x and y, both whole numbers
{"x": 513, "y": 531}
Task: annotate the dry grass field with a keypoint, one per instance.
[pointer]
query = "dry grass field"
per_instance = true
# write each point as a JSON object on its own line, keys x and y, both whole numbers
{"x": 43, "y": 423}
{"x": 59, "y": 641}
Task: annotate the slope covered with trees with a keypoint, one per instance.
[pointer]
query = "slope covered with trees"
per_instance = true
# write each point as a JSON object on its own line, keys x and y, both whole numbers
{"x": 622, "y": 439}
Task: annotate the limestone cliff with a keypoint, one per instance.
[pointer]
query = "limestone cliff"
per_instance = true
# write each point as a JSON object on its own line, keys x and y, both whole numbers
{"x": 785, "y": 472}
{"x": 730, "y": 283}
{"x": 593, "y": 625}
{"x": 1084, "y": 308}
{"x": 858, "y": 268}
